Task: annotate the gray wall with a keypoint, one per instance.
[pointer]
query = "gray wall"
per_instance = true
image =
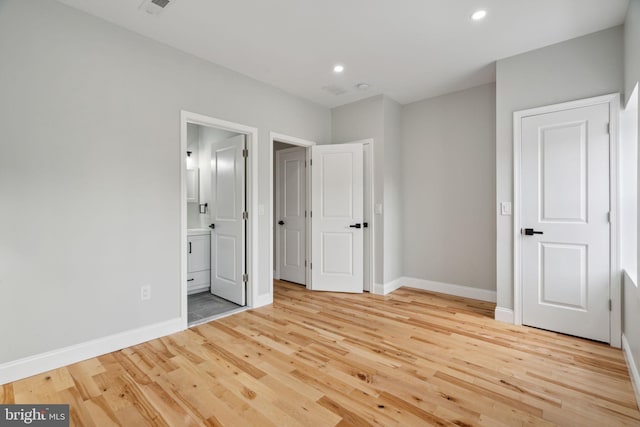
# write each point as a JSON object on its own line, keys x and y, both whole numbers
{"x": 449, "y": 180}
{"x": 90, "y": 171}
{"x": 631, "y": 48}
{"x": 393, "y": 250}
{"x": 361, "y": 120}
{"x": 580, "y": 68}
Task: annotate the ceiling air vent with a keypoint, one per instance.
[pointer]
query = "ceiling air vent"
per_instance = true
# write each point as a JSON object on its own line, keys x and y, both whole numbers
{"x": 154, "y": 7}
{"x": 334, "y": 90}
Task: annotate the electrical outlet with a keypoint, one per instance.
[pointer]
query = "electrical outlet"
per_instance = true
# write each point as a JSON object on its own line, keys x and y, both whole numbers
{"x": 145, "y": 292}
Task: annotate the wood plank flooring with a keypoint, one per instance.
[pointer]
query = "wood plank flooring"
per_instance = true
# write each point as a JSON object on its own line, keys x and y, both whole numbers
{"x": 411, "y": 358}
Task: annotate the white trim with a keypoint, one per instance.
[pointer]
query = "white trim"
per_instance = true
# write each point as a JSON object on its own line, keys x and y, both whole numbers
{"x": 440, "y": 287}
{"x": 43, "y": 362}
{"x": 502, "y": 314}
{"x": 219, "y": 316}
{"x": 387, "y": 288}
{"x": 615, "y": 317}
{"x": 251, "y": 207}
{"x": 378, "y": 289}
{"x": 273, "y": 137}
{"x": 450, "y": 289}
{"x": 632, "y": 367}
{"x": 368, "y": 175}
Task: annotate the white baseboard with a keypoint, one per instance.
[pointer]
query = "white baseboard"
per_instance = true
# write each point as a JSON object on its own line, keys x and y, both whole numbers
{"x": 633, "y": 370}
{"x": 199, "y": 288}
{"x": 504, "y": 315}
{"x": 262, "y": 300}
{"x": 39, "y": 363}
{"x": 384, "y": 289}
{"x": 448, "y": 288}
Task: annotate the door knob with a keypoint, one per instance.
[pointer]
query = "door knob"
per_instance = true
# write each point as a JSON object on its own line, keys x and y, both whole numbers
{"x": 280, "y": 222}
{"x": 212, "y": 226}
{"x": 531, "y": 232}
{"x": 356, "y": 226}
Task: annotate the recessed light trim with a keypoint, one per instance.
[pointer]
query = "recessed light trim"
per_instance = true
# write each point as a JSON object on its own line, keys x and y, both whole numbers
{"x": 338, "y": 68}
{"x": 479, "y": 15}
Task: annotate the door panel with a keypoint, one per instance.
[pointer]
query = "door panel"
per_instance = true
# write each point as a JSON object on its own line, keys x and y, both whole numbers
{"x": 565, "y": 195}
{"x": 228, "y": 205}
{"x": 337, "y": 206}
{"x": 563, "y": 275}
{"x": 292, "y": 189}
{"x": 564, "y": 159}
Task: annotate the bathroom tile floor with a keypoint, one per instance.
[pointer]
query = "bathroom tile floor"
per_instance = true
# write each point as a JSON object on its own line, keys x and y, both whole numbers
{"x": 204, "y": 305}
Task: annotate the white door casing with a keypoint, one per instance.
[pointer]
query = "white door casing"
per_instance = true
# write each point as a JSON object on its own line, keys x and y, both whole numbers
{"x": 227, "y": 209}
{"x": 565, "y": 194}
{"x": 337, "y": 209}
{"x": 291, "y": 216}
{"x": 368, "y": 215}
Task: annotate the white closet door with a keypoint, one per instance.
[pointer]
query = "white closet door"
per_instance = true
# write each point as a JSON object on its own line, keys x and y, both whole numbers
{"x": 337, "y": 218}
{"x": 292, "y": 192}
{"x": 566, "y": 235}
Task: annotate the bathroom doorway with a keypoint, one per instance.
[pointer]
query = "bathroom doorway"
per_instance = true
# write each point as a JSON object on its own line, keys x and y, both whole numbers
{"x": 217, "y": 229}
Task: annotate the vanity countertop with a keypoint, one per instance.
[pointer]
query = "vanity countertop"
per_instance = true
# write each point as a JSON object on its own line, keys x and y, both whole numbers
{"x": 198, "y": 231}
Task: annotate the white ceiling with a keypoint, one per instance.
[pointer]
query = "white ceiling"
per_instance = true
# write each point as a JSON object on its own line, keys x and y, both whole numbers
{"x": 406, "y": 49}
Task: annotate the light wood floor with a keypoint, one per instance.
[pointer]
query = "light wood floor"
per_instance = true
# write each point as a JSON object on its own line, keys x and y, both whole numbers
{"x": 322, "y": 359}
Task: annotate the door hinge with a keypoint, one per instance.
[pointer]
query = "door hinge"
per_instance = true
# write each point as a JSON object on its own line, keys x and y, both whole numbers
{"x": 609, "y": 217}
{"x": 608, "y": 128}
{"x": 610, "y": 305}
{"x": 305, "y": 262}
{"x": 245, "y": 215}
{"x": 310, "y": 162}
{"x": 310, "y": 266}
{"x": 245, "y": 277}
{"x": 310, "y": 214}
{"x": 245, "y": 153}
{"x": 305, "y": 214}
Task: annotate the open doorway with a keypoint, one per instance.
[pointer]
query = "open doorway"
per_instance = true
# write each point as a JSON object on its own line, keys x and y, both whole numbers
{"x": 290, "y": 214}
{"x": 290, "y": 205}
{"x": 289, "y": 152}
{"x": 217, "y": 233}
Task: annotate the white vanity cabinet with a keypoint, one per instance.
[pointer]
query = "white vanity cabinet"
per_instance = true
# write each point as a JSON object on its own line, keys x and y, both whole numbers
{"x": 198, "y": 261}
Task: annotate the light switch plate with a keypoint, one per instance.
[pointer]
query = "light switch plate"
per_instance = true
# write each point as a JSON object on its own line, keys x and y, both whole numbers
{"x": 505, "y": 208}
{"x": 260, "y": 210}
{"x": 378, "y": 209}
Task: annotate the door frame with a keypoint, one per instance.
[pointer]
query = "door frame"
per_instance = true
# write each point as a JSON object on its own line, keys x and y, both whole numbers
{"x": 306, "y": 144}
{"x": 615, "y": 294}
{"x": 369, "y": 174}
{"x": 276, "y": 272}
{"x": 251, "y": 195}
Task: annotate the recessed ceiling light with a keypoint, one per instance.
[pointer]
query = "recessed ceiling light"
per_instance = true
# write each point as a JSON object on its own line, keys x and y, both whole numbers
{"x": 363, "y": 86}
{"x": 338, "y": 68}
{"x": 478, "y": 15}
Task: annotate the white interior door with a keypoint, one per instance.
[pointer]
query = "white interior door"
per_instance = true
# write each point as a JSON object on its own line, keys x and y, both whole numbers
{"x": 227, "y": 209}
{"x": 565, "y": 198}
{"x": 292, "y": 190}
{"x": 337, "y": 217}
